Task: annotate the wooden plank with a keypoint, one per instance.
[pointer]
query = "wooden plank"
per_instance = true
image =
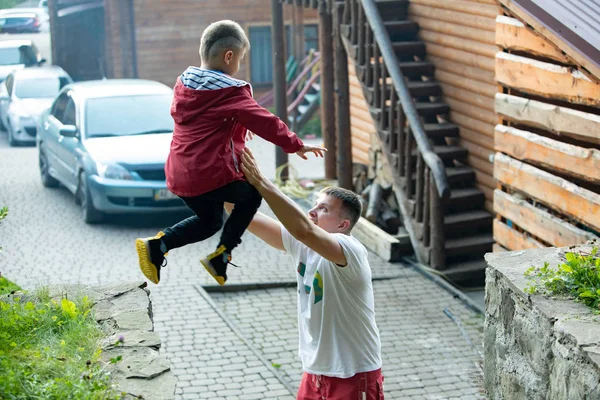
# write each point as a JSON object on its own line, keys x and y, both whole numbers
{"x": 549, "y": 153}
{"x": 487, "y": 181}
{"x": 466, "y": 7}
{"x": 546, "y": 80}
{"x": 553, "y": 37}
{"x": 557, "y": 193}
{"x": 539, "y": 222}
{"x": 476, "y": 150}
{"x": 468, "y": 45}
{"x": 485, "y": 89}
{"x": 482, "y": 140}
{"x": 512, "y": 239}
{"x": 511, "y": 34}
{"x": 438, "y": 14}
{"x": 360, "y": 112}
{"x": 361, "y": 124}
{"x": 482, "y": 165}
{"x": 468, "y": 59}
{"x": 456, "y": 29}
{"x": 460, "y": 69}
{"x": 380, "y": 242}
{"x": 468, "y": 96}
{"x": 560, "y": 120}
{"x": 496, "y": 248}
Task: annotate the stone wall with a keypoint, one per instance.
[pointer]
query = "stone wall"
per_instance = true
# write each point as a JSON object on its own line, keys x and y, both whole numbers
{"x": 536, "y": 347}
{"x": 124, "y": 312}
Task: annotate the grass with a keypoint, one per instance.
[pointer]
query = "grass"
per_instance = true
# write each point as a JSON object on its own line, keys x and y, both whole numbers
{"x": 7, "y": 287}
{"x": 578, "y": 278}
{"x": 50, "y": 349}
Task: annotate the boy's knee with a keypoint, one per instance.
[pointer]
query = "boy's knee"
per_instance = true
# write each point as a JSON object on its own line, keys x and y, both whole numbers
{"x": 215, "y": 224}
{"x": 255, "y": 198}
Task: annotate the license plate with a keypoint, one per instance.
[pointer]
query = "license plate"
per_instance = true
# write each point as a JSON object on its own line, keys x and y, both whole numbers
{"x": 164, "y": 194}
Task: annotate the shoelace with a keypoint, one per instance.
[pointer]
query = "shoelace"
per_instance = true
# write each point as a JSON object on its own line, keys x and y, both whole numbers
{"x": 237, "y": 266}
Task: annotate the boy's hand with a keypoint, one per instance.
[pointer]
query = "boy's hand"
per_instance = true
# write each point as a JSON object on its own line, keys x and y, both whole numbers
{"x": 253, "y": 174}
{"x": 309, "y": 148}
{"x": 249, "y": 136}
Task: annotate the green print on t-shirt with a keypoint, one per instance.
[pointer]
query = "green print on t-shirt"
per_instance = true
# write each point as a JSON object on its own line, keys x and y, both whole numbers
{"x": 301, "y": 269}
{"x": 318, "y": 287}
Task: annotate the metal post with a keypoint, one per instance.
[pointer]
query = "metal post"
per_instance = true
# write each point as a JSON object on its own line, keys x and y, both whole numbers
{"x": 327, "y": 90}
{"x": 279, "y": 85}
{"x": 342, "y": 89}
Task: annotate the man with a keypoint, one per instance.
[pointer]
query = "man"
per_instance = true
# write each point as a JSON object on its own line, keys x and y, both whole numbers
{"x": 339, "y": 347}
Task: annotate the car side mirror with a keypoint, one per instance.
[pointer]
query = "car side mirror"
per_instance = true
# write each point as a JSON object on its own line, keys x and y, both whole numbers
{"x": 68, "y": 131}
{"x": 42, "y": 61}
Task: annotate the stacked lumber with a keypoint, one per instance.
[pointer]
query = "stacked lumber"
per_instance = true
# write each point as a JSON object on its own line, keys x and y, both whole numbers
{"x": 548, "y": 143}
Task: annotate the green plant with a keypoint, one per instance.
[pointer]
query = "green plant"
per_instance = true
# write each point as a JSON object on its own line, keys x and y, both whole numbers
{"x": 8, "y": 3}
{"x": 7, "y": 287}
{"x": 3, "y": 214}
{"x": 50, "y": 350}
{"x": 578, "y": 277}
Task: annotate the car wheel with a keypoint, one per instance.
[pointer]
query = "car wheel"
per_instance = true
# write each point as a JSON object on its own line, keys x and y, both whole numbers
{"x": 90, "y": 214}
{"x": 11, "y": 139}
{"x": 47, "y": 179}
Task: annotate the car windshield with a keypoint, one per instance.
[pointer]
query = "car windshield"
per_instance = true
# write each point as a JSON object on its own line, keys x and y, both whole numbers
{"x": 128, "y": 115}
{"x": 10, "y": 56}
{"x": 37, "y": 88}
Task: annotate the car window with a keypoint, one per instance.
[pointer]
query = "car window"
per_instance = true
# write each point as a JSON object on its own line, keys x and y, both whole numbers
{"x": 58, "y": 109}
{"x": 129, "y": 115}
{"x": 37, "y": 88}
{"x": 10, "y": 56}
{"x": 69, "y": 117}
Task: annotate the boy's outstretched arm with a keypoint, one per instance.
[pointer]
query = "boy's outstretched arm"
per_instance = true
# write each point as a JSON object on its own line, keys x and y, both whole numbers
{"x": 266, "y": 228}
{"x": 262, "y": 122}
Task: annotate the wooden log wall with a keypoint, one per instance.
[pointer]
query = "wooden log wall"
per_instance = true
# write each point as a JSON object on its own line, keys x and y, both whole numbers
{"x": 548, "y": 143}
{"x": 362, "y": 125}
{"x": 168, "y": 32}
{"x": 460, "y": 40}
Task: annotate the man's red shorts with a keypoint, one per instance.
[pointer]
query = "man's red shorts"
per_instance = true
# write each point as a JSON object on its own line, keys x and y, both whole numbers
{"x": 362, "y": 386}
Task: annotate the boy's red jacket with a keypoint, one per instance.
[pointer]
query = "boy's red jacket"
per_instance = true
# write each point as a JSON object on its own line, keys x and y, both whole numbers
{"x": 212, "y": 113}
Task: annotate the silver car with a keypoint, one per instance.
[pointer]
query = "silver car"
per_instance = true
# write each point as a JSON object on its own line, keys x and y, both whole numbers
{"x": 24, "y": 95}
{"x": 107, "y": 142}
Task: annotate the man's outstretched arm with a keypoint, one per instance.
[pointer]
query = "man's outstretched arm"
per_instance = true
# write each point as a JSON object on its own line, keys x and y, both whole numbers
{"x": 266, "y": 228}
{"x": 291, "y": 216}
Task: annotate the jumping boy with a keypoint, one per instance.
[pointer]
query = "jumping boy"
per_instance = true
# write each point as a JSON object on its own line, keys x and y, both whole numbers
{"x": 213, "y": 115}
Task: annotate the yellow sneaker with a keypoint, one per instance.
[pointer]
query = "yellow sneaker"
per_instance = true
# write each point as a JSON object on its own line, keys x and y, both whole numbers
{"x": 150, "y": 257}
{"x": 216, "y": 264}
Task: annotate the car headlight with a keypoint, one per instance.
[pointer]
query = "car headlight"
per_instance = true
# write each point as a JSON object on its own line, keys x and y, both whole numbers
{"x": 113, "y": 171}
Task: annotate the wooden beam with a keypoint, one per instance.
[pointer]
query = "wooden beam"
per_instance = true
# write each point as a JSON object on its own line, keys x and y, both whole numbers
{"x": 496, "y": 248}
{"x": 459, "y": 56}
{"x": 455, "y": 29}
{"x": 560, "y": 120}
{"x": 512, "y": 239}
{"x": 327, "y": 92}
{"x": 438, "y": 14}
{"x": 466, "y": 7}
{"x": 546, "y": 80}
{"x": 552, "y": 36}
{"x": 539, "y": 222}
{"x": 557, "y": 193}
{"x": 279, "y": 84}
{"x": 549, "y": 153}
{"x": 468, "y": 45}
{"x": 386, "y": 246}
{"x": 512, "y": 34}
{"x": 486, "y": 89}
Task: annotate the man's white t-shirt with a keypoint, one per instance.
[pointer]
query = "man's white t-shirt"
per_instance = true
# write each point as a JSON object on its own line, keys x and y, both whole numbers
{"x": 336, "y": 310}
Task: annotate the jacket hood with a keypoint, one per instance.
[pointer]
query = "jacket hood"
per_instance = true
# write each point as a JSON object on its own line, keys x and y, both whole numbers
{"x": 199, "y": 89}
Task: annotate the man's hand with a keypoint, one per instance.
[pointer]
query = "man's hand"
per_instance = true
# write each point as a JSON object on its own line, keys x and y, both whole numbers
{"x": 309, "y": 148}
{"x": 253, "y": 174}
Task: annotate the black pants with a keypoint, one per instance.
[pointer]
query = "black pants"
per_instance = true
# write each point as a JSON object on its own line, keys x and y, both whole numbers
{"x": 208, "y": 208}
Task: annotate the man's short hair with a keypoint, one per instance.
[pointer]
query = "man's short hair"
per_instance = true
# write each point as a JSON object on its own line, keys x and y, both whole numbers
{"x": 222, "y": 35}
{"x": 351, "y": 203}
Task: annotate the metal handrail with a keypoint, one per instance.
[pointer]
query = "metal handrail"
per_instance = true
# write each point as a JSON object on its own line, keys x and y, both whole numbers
{"x": 432, "y": 160}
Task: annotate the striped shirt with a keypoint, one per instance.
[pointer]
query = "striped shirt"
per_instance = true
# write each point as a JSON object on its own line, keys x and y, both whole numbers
{"x": 204, "y": 79}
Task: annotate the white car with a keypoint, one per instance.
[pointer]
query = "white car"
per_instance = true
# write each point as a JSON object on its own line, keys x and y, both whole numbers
{"x": 24, "y": 95}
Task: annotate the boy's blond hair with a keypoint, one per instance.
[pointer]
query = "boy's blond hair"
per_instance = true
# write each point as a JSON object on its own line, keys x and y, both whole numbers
{"x": 222, "y": 35}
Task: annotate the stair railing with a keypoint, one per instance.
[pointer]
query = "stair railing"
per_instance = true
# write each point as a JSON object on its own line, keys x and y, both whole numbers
{"x": 421, "y": 190}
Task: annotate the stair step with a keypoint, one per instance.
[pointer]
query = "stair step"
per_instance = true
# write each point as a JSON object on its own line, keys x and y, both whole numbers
{"x": 432, "y": 109}
{"x": 423, "y": 89}
{"x": 469, "y": 219}
{"x": 440, "y": 131}
{"x": 316, "y": 86}
{"x": 398, "y": 30}
{"x": 409, "y": 49}
{"x": 414, "y": 69}
{"x": 302, "y": 108}
{"x": 447, "y": 153}
{"x": 466, "y": 273}
{"x": 458, "y": 175}
{"x": 392, "y": 10}
{"x": 470, "y": 245}
{"x": 465, "y": 199}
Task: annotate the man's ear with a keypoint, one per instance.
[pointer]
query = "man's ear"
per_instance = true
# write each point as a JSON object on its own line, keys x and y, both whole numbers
{"x": 344, "y": 225}
{"x": 228, "y": 56}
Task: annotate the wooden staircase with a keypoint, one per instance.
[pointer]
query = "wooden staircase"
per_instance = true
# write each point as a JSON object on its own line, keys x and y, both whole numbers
{"x": 442, "y": 208}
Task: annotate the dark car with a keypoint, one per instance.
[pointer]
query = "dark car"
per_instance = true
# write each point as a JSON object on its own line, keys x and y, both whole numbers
{"x": 20, "y": 23}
